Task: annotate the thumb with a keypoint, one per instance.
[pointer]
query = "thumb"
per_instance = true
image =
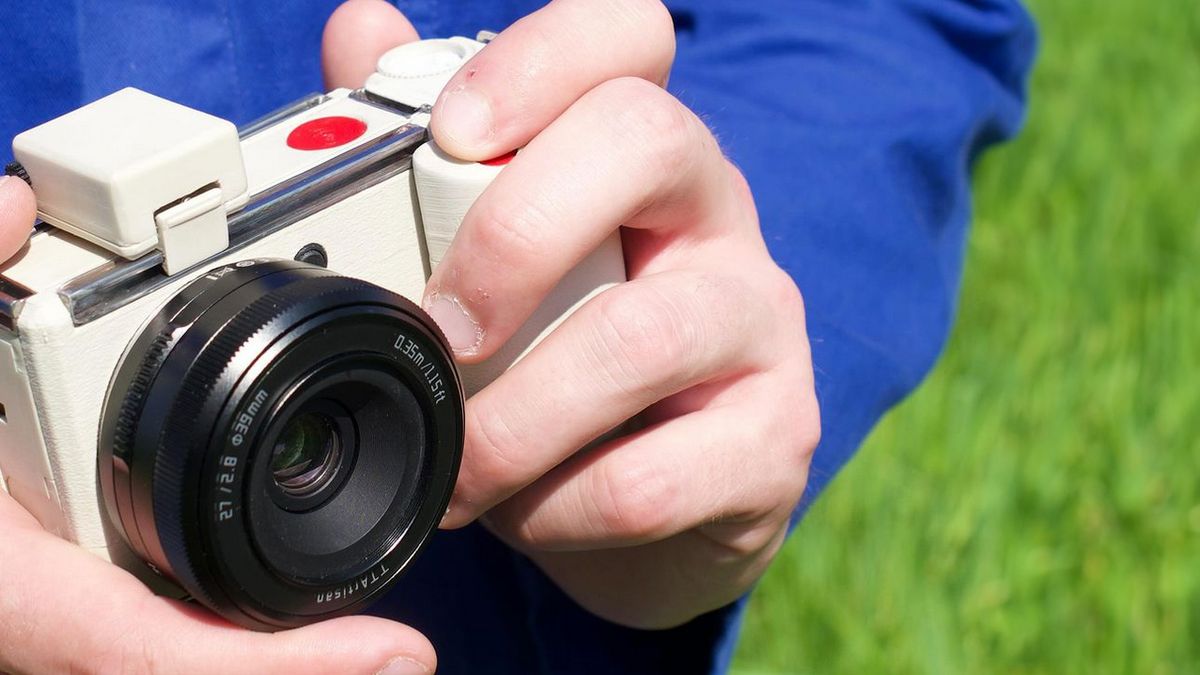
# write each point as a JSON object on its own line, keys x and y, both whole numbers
{"x": 65, "y": 610}
{"x": 192, "y": 640}
{"x": 17, "y": 212}
{"x": 356, "y": 35}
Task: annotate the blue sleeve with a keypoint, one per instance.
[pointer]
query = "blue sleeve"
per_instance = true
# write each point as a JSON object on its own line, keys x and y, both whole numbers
{"x": 856, "y": 123}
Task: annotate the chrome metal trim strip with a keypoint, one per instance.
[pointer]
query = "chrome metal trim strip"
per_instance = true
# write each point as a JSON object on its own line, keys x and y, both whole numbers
{"x": 120, "y": 282}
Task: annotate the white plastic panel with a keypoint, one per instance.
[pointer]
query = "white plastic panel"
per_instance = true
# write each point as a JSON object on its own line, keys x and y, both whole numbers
{"x": 51, "y": 259}
{"x": 447, "y": 187}
{"x": 271, "y": 161}
{"x": 24, "y": 464}
{"x": 102, "y": 171}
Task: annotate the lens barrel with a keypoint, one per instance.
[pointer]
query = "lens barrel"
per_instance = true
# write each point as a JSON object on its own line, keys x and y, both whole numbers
{"x": 281, "y": 441}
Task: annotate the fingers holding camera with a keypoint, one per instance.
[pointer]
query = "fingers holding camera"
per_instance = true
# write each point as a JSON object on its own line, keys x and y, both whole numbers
{"x": 712, "y": 466}
{"x": 663, "y": 584}
{"x": 18, "y": 210}
{"x": 678, "y": 519}
{"x": 626, "y": 349}
{"x": 540, "y": 65}
{"x": 73, "y": 612}
{"x": 627, "y": 153}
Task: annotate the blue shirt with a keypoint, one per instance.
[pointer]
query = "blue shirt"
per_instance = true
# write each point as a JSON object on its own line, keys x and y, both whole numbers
{"x": 855, "y": 121}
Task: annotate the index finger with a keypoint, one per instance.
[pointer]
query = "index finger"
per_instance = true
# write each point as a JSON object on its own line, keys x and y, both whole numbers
{"x": 533, "y": 71}
{"x": 17, "y": 213}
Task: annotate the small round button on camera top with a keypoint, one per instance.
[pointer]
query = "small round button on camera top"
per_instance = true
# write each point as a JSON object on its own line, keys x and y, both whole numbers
{"x": 423, "y": 58}
{"x": 323, "y": 133}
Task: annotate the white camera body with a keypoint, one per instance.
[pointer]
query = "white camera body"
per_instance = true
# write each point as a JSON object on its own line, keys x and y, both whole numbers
{"x": 139, "y": 196}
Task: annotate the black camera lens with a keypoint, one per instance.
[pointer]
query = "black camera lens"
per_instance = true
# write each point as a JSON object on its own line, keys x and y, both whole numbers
{"x": 281, "y": 441}
{"x": 306, "y": 454}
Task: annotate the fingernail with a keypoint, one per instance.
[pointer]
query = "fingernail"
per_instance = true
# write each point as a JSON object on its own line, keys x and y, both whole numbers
{"x": 464, "y": 333}
{"x": 455, "y": 512}
{"x": 466, "y": 117}
{"x": 403, "y": 665}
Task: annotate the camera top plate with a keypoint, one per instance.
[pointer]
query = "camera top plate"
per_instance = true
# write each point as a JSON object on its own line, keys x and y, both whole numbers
{"x": 285, "y": 185}
{"x": 349, "y": 140}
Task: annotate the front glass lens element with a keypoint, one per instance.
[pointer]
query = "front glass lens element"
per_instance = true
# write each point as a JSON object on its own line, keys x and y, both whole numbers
{"x": 306, "y": 455}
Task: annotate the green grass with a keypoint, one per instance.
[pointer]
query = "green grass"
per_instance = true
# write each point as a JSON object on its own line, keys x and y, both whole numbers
{"x": 1035, "y": 506}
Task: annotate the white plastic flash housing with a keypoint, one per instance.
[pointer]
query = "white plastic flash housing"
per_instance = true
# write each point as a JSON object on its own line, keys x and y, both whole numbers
{"x": 103, "y": 172}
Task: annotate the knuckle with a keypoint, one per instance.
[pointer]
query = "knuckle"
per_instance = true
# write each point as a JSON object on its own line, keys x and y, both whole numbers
{"x": 788, "y": 430}
{"x": 808, "y": 436}
{"x": 643, "y": 341}
{"x": 795, "y": 481}
{"x": 783, "y": 290}
{"x": 521, "y": 534}
{"x": 799, "y": 429}
{"x": 723, "y": 301}
{"x": 784, "y": 297}
{"x": 542, "y": 44}
{"x": 635, "y": 502}
{"x": 494, "y": 447}
{"x": 742, "y": 192}
{"x": 516, "y": 526}
{"x": 511, "y": 230}
{"x": 654, "y": 19}
{"x": 652, "y": 339}
{"x": 662, "y": 132}
{"x": 749, "y": 542}
{"x": 806, "y": 441}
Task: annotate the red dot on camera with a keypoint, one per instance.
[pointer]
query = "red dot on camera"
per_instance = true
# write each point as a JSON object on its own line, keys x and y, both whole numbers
{"x": 501, "y": 160}
{"x": 326, "y": 132}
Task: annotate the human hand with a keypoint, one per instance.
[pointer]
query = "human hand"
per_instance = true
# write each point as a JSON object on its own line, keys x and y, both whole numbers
{"x": 17, "y": 212}
{"x": 706, "y": 343}
{"x": 64, "y": 610}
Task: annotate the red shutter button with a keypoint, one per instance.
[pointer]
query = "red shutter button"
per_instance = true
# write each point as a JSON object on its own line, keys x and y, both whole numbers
{"x": 501, "y": 160}
{"x": 323, "y": 133}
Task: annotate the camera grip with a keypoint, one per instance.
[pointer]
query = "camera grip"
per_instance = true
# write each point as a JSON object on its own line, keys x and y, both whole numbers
{"x": 446, "y": 189}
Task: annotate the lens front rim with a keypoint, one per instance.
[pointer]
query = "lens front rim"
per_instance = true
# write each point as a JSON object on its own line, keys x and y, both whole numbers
{"x": 194, "y": 400}
{"x": 235, "y": 546}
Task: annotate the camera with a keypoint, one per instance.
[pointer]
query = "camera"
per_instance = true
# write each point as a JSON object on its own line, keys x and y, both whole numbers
{"x": 212, "y": 368}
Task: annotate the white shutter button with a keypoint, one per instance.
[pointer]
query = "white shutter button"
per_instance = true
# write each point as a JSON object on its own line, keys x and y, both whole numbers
{"x": 414, "y": 74}
{"x": 423, "y": 59}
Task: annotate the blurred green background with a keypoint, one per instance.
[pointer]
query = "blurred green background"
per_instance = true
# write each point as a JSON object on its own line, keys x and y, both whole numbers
{"x": 1035, "y": 506}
